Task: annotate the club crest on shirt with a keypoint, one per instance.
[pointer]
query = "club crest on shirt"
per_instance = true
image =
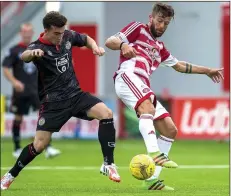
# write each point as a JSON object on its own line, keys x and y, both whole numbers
{"x": 62, "y": 63}
{"x": 68, "y": 45}
{"x": 41, "y": 121}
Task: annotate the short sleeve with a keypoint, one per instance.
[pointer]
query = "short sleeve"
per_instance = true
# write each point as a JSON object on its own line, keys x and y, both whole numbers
{"x": 78, "y": 39}
{"x": 130, "y": 32}
{"x": 9, "y": 58}
{"x": 167, "y": 59}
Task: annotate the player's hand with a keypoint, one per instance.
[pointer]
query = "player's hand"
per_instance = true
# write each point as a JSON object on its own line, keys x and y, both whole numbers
{"x": 18, "y": 86}
{"x": 37, "y": 53}
{"x": 98, "y": 51}
{"x": 216, "y": 75}
{"x": 128, "y": 51}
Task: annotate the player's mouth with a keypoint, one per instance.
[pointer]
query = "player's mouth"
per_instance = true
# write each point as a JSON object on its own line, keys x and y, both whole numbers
{"x": 159, "y": 32}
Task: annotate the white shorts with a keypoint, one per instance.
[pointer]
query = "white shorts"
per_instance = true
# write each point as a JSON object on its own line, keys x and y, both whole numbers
{"x": 133, "y": 91}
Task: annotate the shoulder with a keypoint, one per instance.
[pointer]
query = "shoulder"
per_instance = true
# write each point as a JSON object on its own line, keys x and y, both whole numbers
{"x": 135, "y": 25}
{"x": 70, "y": 33}
{"x": 11, "y": 51}
{"x": 35, "y": 45}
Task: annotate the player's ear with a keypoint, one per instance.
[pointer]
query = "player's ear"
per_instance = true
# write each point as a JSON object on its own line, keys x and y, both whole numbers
{"x": 150, "y": 18}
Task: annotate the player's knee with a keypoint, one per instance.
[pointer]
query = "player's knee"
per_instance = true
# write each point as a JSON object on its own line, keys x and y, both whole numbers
{"x": 106, "y": 114}
{"x": 146, "y": 107}
{"x": 40, "y": 144}
{"x": 18, "y": 118}
{"x": 172, "y": 132}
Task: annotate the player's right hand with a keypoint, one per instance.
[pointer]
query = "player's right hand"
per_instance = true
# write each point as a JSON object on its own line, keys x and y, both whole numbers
{"x": 37, "y": 53}
{"x": 18, "y": 86}
{"x": 128, "y": 51}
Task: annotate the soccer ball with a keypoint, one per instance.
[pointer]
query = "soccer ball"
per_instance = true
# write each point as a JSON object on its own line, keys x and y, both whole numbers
{"x": 142, "y": 167}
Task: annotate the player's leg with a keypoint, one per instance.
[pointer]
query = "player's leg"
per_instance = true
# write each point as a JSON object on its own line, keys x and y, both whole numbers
{"x": 16, "y": 125}
{"x": 52, "y": 117}
{"x": 89, "y": 107}
{"x": 50, "y": 151}
{"x": 168, "y": 132}
{"x": 19, "y": 107}
{"x": 41, "y": 140}
{"x": 139, "y": 97}
{"x": 106, "y": 135}
{"x": 164, "y": 124}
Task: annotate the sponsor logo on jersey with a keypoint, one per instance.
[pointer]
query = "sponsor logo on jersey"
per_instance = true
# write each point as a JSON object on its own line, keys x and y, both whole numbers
{"x": 62, "y": 63}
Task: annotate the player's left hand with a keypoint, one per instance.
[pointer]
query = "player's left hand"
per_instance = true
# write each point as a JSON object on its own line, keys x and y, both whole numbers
{"x": 216, "y": 75}
{"x": 98, "y": 51}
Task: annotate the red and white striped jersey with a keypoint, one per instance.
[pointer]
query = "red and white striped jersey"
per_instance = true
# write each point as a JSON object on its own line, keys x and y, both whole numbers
{"x": 152, "y": 52}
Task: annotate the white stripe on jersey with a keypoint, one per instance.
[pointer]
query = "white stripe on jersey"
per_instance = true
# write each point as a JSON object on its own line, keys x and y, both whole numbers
{"x": 132, "y": 28}
{"x": 144, "y": 32}
{"x": 143, "y": 60}
{"x": 144, "y": 51}
{"x": 144, "y": 44}
{"x": 141, "y": 72}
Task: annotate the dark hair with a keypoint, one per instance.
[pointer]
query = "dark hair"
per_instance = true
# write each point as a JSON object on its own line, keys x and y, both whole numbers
{"x": 164, "y": 9}
{"x": 54, "y": 19}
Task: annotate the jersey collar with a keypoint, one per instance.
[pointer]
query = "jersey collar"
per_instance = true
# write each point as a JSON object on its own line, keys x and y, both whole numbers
{"x": 43, "y": 40}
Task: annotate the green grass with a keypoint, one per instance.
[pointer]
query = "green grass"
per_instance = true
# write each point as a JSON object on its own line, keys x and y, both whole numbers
{"x": 187, "y": 182}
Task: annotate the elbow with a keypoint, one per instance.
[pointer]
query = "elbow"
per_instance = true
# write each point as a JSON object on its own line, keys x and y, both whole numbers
{"x": 107, "y": 43}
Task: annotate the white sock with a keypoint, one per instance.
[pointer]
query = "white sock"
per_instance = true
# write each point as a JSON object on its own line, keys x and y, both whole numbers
{"x": 164, "y": 144}
{"x": 148, "y": 132}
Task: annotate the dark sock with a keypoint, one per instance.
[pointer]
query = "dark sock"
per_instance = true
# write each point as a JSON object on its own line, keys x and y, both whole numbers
{"x": 16, "y": 134}
{"x": 106, "y": 136}
{"x": 27, "y": 155}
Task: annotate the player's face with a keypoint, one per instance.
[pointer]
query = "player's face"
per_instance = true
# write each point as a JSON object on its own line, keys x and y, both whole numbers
{"x": 159, "y": 24}
{"x": 27, "y": 34}
{"x": 55, "y": 34}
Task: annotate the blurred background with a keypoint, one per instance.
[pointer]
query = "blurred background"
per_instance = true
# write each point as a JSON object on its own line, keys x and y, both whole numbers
{"x": 199, "y": 33}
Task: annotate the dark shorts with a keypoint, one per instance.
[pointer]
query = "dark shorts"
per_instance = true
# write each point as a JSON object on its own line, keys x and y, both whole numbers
{"x": 21, "y": 105}
{"x": 53, "y": 115}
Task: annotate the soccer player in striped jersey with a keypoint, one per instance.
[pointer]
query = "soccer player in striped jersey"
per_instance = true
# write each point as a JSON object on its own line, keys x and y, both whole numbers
{"x": 141, "y": 54}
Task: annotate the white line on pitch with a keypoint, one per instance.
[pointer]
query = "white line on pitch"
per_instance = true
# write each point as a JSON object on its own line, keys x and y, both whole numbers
{"x": 123, "y": 167}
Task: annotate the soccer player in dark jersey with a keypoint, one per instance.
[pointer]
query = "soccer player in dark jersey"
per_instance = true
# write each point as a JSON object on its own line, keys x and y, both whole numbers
{"x": 61, "y": 96}
{"x": 25, "y": 87}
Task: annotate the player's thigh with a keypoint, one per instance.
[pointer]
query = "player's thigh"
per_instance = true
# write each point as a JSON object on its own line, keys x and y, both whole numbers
{"x": 20, "y": 105}
{"x": 100, "y": 111}
{"x": 166, "y": 127}
{"x": 89, "y": 107}
{"x": 41, "y": 140}
{"x": 134, "y": 93}
{"x": 53, "y": 115}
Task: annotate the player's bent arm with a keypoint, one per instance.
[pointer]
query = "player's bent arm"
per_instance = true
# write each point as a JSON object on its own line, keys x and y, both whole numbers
{"x": 185, "y": 67}
{"x": 113, "y": 43}
{"x": 91, "y": 43}
{"x": 27, "y": 56}
{"x": 8, "y": 74}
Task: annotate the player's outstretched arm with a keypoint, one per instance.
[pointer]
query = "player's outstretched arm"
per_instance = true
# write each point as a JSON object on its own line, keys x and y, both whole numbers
{"x": 29, "y": 55}
{"x": 91, "y": 44}
{"x": 185, "y": 67}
